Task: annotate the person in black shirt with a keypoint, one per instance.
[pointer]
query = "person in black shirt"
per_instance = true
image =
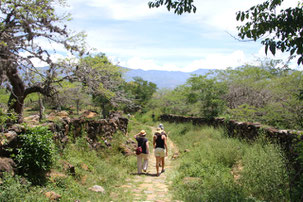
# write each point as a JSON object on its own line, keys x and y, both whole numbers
{"x": 142, "y": 142}
{"x": 159, "y": 143}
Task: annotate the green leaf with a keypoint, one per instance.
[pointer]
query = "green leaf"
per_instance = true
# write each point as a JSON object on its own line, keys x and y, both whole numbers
{"x": 272, "y": 48}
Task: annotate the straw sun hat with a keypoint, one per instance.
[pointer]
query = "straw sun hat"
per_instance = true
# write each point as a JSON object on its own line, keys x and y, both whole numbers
{"x": 142, "y": 133}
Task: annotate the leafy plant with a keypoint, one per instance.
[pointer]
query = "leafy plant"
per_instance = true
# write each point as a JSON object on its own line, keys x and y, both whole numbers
{"x": 4, "y": 118}
{"x": 12, "y": 189}
{"x": 35, "y": 155}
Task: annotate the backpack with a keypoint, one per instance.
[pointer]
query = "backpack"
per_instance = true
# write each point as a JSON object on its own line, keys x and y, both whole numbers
{"x": 139, "y": 150}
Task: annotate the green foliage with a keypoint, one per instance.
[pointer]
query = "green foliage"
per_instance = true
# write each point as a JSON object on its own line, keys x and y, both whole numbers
{"x": 264, "y": 173}
{"x": 218, "y": 168}
{"x": 297, "y": 175}
{"x": 179, "y": 7}
{"x": 172, "y": 102}
{"x": 35, "y": 155}
{"x": 263, "y": 19}
{"x": 5, "y": 117}
{"x": 208, "y": 93}
{"x": 13, "y": 188}
{"x": 265, "y": 94}
{"x": 140, "y": 91}
{"x": 243, "y": 112}
{"x": 107, "y": 167}
{"x": 102, "y": 80}
{"x": 4, "y": 97}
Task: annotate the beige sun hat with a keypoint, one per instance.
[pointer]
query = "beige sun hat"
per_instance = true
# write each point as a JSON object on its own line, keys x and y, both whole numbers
{"x": 158, "y": 130}
{"x": 142, "y": 133}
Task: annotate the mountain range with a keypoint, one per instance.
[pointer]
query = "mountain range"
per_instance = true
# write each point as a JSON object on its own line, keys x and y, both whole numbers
{"x": 163, "y": 79}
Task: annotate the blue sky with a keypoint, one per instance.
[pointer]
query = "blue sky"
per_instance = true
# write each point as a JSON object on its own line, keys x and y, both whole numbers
{"x": 134, "y": 36}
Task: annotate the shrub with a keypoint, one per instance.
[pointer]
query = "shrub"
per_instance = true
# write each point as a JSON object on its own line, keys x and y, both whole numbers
{"x": 35, "y": 155}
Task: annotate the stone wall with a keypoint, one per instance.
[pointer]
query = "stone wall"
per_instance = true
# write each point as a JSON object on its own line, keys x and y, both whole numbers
{"x": 64, "y": 130}
{"x": 288, "y": 139}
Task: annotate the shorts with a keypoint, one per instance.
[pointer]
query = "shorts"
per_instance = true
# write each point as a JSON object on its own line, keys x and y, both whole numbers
{"x": 159, "y": 152}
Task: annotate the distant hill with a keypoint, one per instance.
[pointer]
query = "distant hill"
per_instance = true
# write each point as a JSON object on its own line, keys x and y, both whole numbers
{"x": 163, "y": 79}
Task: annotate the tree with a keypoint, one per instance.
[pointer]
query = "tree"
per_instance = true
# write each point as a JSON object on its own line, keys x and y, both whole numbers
{"x": 141, "y": 91}
{"x": 179, "y": 6}
{"x": 101, "y": 79}
{"x": 278, "y": 30}
{"x": 70, "y": 94}
{"x": 24, "y": 26}
{"x": 208, "y": 93}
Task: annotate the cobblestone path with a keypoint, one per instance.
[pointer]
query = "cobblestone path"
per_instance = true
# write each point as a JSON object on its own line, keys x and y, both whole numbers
{"x": 149, "y": 187}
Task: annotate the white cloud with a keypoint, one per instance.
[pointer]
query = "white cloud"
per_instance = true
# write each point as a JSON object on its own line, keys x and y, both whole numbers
{"x": 148, "y": 64}
{"x": 115, "y": 9}
{"x": 210, "y": 61}
{"x": 218, "y": 61}
{"x": 119, "y": 28}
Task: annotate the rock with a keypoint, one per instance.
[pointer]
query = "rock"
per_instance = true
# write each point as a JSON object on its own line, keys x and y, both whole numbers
{"x": 62, "y": 114}
{"x": 64, "y": 140}
{"x": 7, "y": 165}
{"x": 7, "y": 138}
{"x": 83, "y": 179}
{"x": 69, "y": 168}
{"x": 126, "y": 150}
{"x": 186, "y": 150}
{"x": 52, "y": 195}
{"x": 18, "y": 128}
{"x": 33, "y": 119}
{"x": 88, "y": 114}
{"x": 97, "y": 188}
{"x": 175, "y": 155}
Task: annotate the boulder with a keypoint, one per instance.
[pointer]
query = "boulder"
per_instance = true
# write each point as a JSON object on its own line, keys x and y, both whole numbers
{"x": 97, "y": 188}
{"x": 8, "y": 138}
{"x": 7, "y": 165}
{"x": 18, "y": 128}
{"x": 33, "y": 119}
{"x": 52, "y": 195}
{"x": 62, "y": 114}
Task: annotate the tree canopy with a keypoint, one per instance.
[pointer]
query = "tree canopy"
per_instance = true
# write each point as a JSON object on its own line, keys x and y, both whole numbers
{"x": 28, "y": 28}
{"x": 178, "y": 6}
{"x": 278, "y": 30}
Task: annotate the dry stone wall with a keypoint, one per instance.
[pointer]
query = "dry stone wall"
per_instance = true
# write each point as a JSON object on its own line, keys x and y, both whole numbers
{"x": 288, "y": 139}
{"x": 97, "y": 132}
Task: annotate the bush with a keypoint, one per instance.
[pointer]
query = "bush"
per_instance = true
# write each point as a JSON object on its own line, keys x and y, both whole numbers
{"x": 35, "y": 155}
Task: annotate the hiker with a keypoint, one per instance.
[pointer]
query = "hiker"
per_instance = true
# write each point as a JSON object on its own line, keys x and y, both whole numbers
{"x": 162, "y": 129}
{"x": 143, "y": 143}
{"x": 160, "y": 146}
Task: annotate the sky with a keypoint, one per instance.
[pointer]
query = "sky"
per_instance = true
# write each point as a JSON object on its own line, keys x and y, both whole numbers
{"x": 134, "y": 36}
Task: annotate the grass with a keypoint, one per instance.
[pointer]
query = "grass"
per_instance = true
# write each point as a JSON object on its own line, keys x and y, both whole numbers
{"x": 107, "y": 167}
{"x": 218, "y": 168}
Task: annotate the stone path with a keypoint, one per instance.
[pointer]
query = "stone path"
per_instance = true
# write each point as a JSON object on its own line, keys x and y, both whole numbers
{"x": 149, "y": 187}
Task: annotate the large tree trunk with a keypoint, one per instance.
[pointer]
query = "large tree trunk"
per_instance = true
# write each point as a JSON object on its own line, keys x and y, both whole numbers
{"x": 16, "y": 99}
{"x": 19, "y": 93}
